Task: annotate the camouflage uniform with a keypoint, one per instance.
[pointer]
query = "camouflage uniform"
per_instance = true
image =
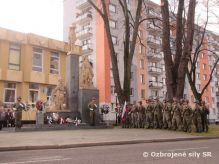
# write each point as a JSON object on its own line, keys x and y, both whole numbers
{"x": 197, "y": 118}
{"x": 18, "y": 106}
{"x": 187, "y": 117}
{"x": 167, "y": 108}
{"x": 134, "y": 115}
{"x": 149, "y": 115}
{"x": 176, "y": 120}
{"x": 204, "y": 114}
{"x": 92, "y": 108}
{"x": 158, "y": 114}
{"x": 141, "y": 115}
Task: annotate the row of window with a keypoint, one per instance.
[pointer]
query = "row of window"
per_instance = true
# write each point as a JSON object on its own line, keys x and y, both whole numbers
{"x": 14, "y": 60}
{"x": 10, "y": 93}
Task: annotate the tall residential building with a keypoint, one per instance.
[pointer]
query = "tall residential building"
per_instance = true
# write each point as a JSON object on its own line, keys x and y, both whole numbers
{"x": 148, "y": 72}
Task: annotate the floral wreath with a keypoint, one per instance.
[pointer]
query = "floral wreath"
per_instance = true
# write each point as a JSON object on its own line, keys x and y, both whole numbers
{"x": 104, "y": 109}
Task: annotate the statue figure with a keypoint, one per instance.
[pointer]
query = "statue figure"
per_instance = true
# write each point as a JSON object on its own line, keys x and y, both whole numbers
{"x": 71, "y": 38}
{"x": 86, "y": 73}
{"x": 59, "y": 96}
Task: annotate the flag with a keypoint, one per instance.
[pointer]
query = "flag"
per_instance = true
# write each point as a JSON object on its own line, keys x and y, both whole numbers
{"x": 124, "y": 109}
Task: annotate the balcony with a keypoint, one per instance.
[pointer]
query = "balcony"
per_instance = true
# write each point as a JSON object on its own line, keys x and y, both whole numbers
{"x": 155, "y": 70}
{"x": 82, "y": 4}
{"x": 154, "y": 14}
{"x": 154, "y": 42}
{"x": 84, "y": 17}
{"x": 84, "y": 33}
{"x": 155, "y": 84}
{"x": 154, "y": 56}
{"x": 153, "y": 28}
{"x": 87, "y": 48}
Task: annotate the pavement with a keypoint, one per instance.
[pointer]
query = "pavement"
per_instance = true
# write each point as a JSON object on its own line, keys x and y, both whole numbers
{"x": 13, "y": 141}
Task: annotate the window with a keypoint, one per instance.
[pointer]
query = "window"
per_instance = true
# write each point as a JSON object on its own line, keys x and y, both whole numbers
{"x": 33, "y": 93}
{"x": 114, "y": 39}
{"x": 48, "y": 91}
{"x": 14, "y": 57}
{"x": 132, "y": 75}
{"x": 9, "y": 94}
{"x": 142, "y": 78}
{"x": 112, "y": 8}
{"x": 155, "y": 93}
{"x": 154, "y": 78}
{"x": 112, "y": 23}
{"x": 142, "y": 93}
{"x": 198, "y": 87}
{"x": 37, "y": 60}
{"x": 131, "y": 91}
{"x": 112, "y": 89}
{"x": 54, "y": 63}
{"x": 204, "y": 66}
{"x": 198, "y": 75}
{"x": 142, "y": 64}
{"x": 202, "y": 55}
{"x": 204, "y": 77}
{"x": 164, "y": 81}
{"x": 140, "y": 49}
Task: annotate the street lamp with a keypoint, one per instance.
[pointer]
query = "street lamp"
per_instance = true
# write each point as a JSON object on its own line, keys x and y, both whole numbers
{"x": 116, "y": 109}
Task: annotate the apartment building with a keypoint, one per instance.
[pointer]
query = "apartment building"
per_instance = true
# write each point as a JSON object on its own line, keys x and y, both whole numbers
{"x": 30, "y": 66}
{"x": 148, "y": 71}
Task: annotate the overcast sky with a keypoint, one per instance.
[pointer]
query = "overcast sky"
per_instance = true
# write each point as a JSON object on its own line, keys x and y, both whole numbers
{"x": 42, "y": 17}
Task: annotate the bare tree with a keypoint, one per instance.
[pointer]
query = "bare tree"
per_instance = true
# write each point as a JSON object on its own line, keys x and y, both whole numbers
{"x": 132, "y": 22}
{"x": 199, "y": 45}
{"x": 182, "y": 61}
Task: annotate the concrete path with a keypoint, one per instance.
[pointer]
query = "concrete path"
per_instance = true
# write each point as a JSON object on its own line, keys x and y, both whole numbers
{"x": 83, "y": 138}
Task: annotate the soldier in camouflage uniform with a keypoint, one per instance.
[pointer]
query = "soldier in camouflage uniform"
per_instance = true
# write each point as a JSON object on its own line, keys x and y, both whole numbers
{"x": 141, "y": 115}
{"x": 167, "y": 108}
{"x": 197, "y": 118}
{"x": 149, "y": 114}
{"x": 176, "y": 111}
{"x": 134, "y": 115}
{"x": 158, "y": 114}
{"x": 204, "y": 113}
{"x": 187, "y": 117}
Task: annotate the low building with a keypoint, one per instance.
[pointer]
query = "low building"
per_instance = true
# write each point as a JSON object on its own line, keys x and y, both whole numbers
{"x": 30, "y": 66}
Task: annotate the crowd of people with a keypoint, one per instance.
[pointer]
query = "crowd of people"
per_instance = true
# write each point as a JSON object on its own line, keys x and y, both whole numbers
{"x": 170, "y": 114}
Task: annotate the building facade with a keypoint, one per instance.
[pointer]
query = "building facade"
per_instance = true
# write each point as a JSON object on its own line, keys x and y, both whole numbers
{"x": 148, "y": 71}
{"x": 30, "y": 66}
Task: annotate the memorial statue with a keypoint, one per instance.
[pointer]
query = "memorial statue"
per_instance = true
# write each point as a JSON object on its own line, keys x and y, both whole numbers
{"x": 86, "y": 74}
{"x": 71, "y": 38}
{"x": 59, "y": 96}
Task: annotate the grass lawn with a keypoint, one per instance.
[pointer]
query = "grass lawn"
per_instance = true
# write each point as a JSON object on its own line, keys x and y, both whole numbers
{"x": 213, "y": 131}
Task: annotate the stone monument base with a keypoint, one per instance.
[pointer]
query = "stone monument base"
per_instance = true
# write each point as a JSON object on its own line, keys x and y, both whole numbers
{"x": 84, "y": 98}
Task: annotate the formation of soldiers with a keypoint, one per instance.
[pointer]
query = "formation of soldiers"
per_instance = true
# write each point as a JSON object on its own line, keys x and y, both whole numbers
{"x": 170, "y": 114}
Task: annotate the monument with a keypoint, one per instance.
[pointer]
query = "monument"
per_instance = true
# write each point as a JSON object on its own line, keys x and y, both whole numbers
{"x": 87, "y": 91}
{"x": 72, "y": 99}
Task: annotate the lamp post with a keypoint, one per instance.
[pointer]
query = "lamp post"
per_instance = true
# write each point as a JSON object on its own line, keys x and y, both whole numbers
{"x": 116, "y": 109}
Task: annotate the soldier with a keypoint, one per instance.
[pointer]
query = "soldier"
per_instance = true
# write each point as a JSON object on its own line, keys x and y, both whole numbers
{"x": 126, "y": 119}
{"x": 158, "y": 113}
{"x": 18, "y": 107}
{"x": 149, "y": 112}
{"x": 92, "y": 108}
{"x": 134, "y": 115}
{"x": 167, "y": 108}
{"x": 187, "y": 117}
{"x": 176, "y": 111}
{"x": 141, "y": 114}
{"x": 204, "y": 114}
{"x": 197, "y": 118}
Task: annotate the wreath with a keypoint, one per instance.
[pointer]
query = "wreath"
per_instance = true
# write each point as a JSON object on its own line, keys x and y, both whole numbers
{"x": 39, "y": 105}
{"x": 104, "y": 109}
